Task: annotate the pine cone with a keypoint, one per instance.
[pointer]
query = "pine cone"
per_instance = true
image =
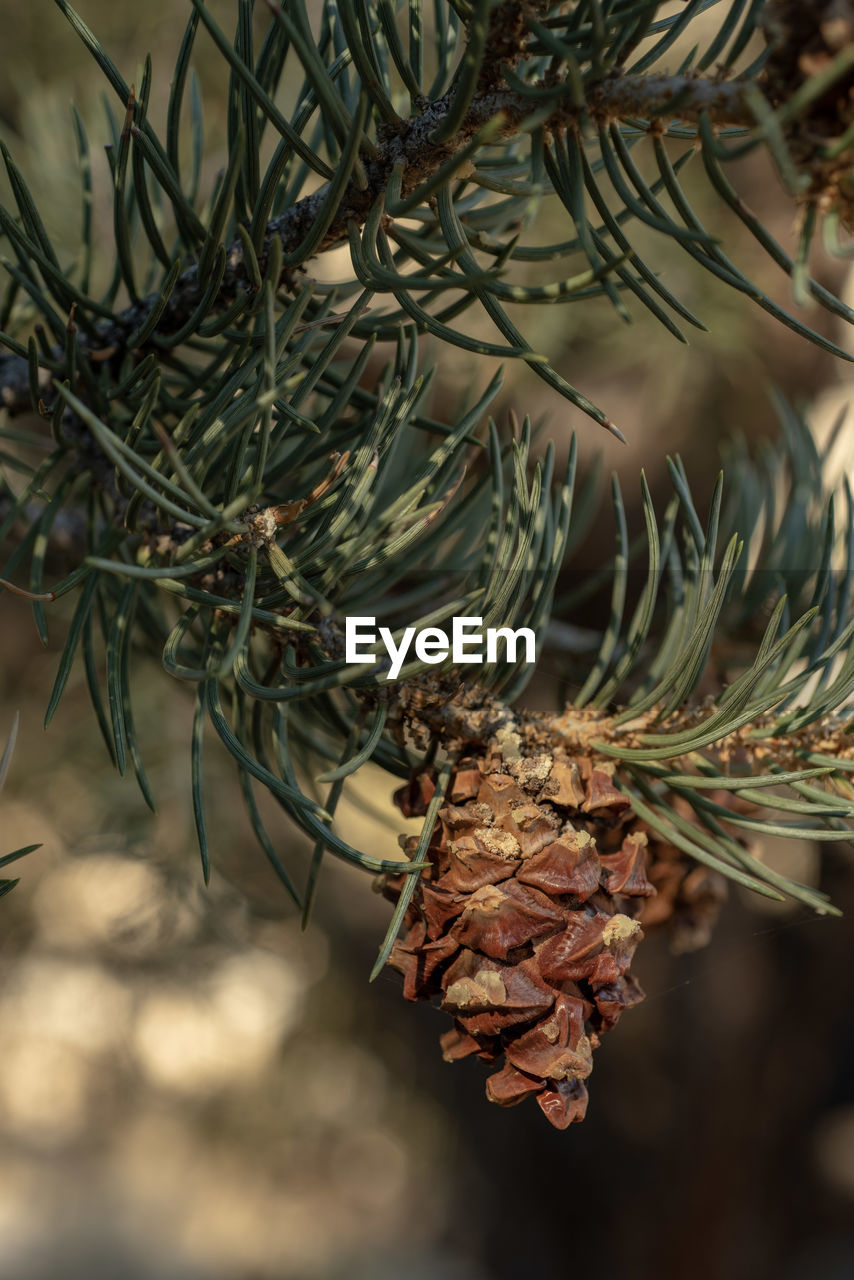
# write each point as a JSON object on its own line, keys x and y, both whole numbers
{"x": 525, "y": 922}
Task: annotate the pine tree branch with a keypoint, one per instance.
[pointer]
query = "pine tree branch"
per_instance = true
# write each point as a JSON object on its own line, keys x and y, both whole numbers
{"x": 409, "y": 148}
{"x": 413, "y": 150}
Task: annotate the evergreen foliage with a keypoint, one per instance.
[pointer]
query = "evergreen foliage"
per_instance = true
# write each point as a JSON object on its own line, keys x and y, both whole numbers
{"x": 247, "y": 452}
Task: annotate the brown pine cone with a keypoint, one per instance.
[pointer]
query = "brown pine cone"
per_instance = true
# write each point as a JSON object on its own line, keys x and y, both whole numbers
{"x": 525, "y": 923}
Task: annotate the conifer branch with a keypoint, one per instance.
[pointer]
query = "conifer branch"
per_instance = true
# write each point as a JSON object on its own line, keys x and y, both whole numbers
{"x": 194, "y": 430}
{"x": 235, "y": 492}
{"x": 410, "y": 149}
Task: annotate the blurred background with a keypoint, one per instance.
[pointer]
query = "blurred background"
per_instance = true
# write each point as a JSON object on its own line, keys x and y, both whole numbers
{"x": 191, "y": 1088}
